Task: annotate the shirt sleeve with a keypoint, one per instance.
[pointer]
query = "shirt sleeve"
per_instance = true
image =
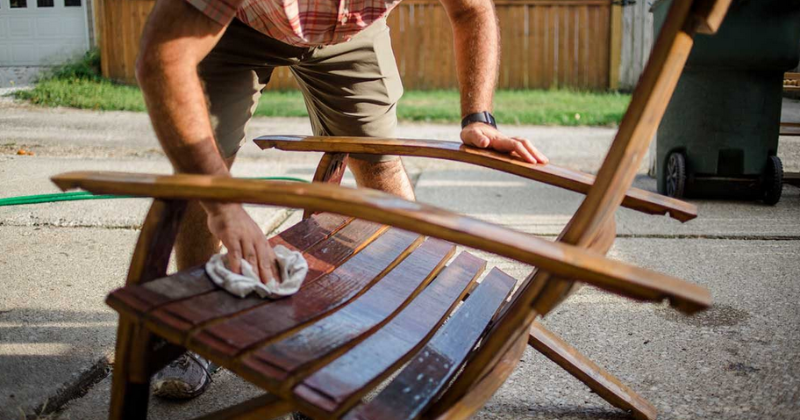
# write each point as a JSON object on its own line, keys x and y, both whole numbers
{"x": 220, "y": 11}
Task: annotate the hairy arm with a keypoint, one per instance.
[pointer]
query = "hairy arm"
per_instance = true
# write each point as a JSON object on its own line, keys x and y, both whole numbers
{"x": 477, "y": 45}
{"x": 175, "y": 40}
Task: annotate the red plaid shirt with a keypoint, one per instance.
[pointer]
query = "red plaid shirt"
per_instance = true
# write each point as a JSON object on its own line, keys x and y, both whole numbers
{"x": 302, "y": 23}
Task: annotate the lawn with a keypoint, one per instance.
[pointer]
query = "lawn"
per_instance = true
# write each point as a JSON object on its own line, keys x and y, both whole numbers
{"x": 77, "y": 85}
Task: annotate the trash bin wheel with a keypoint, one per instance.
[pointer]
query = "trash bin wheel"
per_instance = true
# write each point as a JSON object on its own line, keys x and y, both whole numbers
{"x": 773, "y": 181}
{"x": 676, "y": 175}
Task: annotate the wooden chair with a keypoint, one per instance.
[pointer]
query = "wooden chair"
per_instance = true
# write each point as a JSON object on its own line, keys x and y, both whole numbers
{"x": 379, "y": 291}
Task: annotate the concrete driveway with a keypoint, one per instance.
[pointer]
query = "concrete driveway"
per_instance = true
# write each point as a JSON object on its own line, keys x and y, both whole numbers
{"x": 738, "y": 360}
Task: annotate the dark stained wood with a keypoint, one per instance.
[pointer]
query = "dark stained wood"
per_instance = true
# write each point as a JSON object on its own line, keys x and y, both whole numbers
{"x": 181, "y": 317}
{"x": 338, "y": 385}
{"x": 135, "y": 300}
{"x": 314, "y": 345}
{"x": 331, "y": 169}
{"x": 484, "y": 388}
{"x": 431, "y": 369}
{"x": 562, "y": 259}
{"x": 154, "y": 246}
{"x": 552, "y": 174}
{"x": 176, "y": 319}
{"x": 130, "y": 386}
{"x": 227, "y": 339}
{"x": 600, "y": 381}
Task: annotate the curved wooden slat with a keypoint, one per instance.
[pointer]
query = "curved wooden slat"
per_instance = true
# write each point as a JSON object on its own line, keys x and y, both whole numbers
{"x": 224, "y": 341}
{"x": 431, "y": 369}
{"x": 176, "y": 319}
{"x": 283, "y": 361}
{"x": 636, "y": 199}
{"x": 339, "y": 385}
{"x": 135, "y": 300}
{"x": 563, "y": 260}
{"x": 482, "y": 390}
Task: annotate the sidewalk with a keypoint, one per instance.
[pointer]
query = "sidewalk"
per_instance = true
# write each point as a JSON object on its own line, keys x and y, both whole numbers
{"x": 738, "y": 360}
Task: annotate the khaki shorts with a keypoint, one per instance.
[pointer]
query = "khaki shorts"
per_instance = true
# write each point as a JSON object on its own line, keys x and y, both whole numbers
{"x": 350, "y": 89}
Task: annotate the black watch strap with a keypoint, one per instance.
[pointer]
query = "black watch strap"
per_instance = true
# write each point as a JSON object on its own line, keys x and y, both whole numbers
{"x": 483, "y": 117}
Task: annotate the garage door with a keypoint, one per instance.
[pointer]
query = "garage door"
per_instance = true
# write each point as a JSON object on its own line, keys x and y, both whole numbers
{"x": 41, "y": 32}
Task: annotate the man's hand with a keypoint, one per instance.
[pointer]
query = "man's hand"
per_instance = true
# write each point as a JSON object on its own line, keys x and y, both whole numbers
{"x": 243, "y": 239}
{"x": 485, "y": 136}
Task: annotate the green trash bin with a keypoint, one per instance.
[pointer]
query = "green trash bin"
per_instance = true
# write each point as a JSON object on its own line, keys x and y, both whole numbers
{"x": 719, "y": 135}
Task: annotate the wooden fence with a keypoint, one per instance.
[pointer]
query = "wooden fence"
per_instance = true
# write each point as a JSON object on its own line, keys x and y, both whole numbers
{"x": 546, "y": 43}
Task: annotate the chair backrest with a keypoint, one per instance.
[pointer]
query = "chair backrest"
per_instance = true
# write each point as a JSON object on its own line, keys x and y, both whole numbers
{"x": 592, "y": 226}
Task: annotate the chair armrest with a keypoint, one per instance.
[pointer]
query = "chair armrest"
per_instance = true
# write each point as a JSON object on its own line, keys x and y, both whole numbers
{"x": 561, "y": 259}
{"x": 636, "y": 199}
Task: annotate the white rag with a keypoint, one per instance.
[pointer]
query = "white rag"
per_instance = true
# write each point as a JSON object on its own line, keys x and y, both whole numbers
{"x": 291, "y": 264}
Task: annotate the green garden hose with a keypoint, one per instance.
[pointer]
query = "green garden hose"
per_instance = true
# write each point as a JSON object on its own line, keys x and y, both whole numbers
{"x": 85, "y": 195}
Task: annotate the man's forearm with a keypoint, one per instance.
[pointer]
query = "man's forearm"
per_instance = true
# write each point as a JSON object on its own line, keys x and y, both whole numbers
{"x": 176, "y": 38}
{"x": 177, "y": 108}
{"x": 477, "y": 46}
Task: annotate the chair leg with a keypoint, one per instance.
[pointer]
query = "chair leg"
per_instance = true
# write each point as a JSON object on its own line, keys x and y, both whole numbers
{"x": 331, "y": 170}
{"x": 130, "y": 385}
{"x": 601, "y": 382}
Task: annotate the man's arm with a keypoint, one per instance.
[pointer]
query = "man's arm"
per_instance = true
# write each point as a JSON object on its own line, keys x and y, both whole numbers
{"x": 176, "y": 38}
{"x": 477, "y": 45}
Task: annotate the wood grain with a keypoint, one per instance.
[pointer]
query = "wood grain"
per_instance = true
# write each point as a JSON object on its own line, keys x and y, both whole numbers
{"x": 423, "y": 24}
{"x": 338, "y": 278}
{"x": 316, "y": 344}
{"x": 561, "y": 259}
{"x": 551, "y": 174}
{"x": 431, "y": 369}
{"x": 339, "y": 384}
{"x": 322, "y": 247}
{"x": 135, "y": 300}
{"x": 484, "y": 388}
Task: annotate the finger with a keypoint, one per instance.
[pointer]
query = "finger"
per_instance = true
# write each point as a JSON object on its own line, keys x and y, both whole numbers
{"x": 267, "y": 262}
{"x": 234, "y": 258}
{"x": 539, "y": 156}
{"x": 524, "y": 153}
{"x": 250, "y": 255}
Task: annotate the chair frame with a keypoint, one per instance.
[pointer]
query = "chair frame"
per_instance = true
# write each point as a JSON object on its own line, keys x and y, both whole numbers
{"x": 576, "y": 258}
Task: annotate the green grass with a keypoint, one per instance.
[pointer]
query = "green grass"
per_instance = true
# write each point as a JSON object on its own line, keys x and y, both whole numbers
{"x": 79, "y": 85}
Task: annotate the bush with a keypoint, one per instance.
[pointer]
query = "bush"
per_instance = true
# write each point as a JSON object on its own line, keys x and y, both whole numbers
{"x": 82, "y": 68}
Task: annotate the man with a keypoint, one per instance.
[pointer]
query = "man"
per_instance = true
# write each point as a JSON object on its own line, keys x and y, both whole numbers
{"x": 340, "y": 53}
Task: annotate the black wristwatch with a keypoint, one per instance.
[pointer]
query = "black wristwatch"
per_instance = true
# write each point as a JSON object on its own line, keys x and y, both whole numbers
{"x": 485, "y": 117}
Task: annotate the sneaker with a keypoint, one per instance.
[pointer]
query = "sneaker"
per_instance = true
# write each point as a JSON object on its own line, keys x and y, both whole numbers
{"x": 186, "y": 377}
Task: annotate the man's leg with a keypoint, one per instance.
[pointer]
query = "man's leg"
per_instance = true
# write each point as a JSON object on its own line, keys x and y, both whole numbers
{"x": 232, "y": 90}
{"x": 352, "y": 89}
{"x": 388, "y": 176}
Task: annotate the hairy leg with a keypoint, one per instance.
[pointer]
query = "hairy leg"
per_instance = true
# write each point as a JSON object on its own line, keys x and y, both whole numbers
{"x": 195, "y": 244}
{"x": 387, "y": 176}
